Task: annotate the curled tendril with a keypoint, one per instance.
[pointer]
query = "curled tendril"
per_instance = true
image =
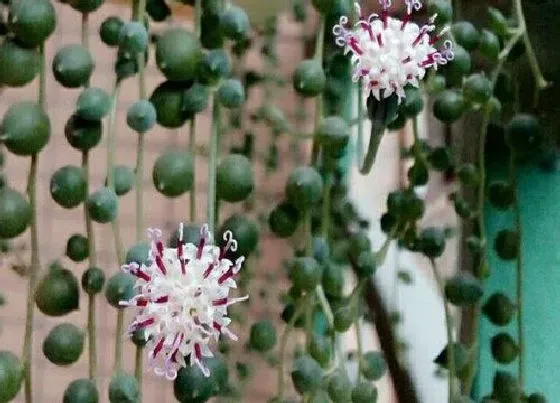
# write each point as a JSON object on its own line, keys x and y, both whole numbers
{"x": 413, "y": 5}
{"x": 205, "y": 231}
{"x": 447, "y": 52}
{"x": 231, "y": 243}
{"x": 385, "y": 3}
{"x": 154, "y": 234}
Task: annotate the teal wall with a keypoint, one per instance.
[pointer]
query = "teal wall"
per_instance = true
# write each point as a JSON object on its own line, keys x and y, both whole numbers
{"x": 539, "y": 193}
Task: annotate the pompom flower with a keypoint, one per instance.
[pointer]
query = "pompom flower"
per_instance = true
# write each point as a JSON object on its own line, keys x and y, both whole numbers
{"x": 182, "y": 299}
{"x": 389, "y": 53}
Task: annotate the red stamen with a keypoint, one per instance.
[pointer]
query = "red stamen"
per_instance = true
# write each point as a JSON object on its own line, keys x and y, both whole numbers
{"x": 353, "y": 43}
{"x": 225, "y": 276}
{"x": 208, "y": 270}
{"x": 379, "y": 40}
{"x": 366, "y": 26}
{"x": 140, "y": 274}
{"x": 408, "y": 59}
{"x": 158, "y": 347}
{"x": 219, "y": 302}
{"x": 159, "y": 247}
{"x": 162, "y": 300}
{"x": 384, "y": 15}
{"x": 434, "y": 39}
{"x": 141, "y": 302}
{"x": 200, "y": 247}
{"x": 143, "y": 324}
{"x": 180, "y": 257}
{"x": 160, "y": 265}
{"x": 419, "y": 37}
{"x": 174, "y": 355}
{"x": 197, "y": 352}
{"x": 217, "y": 326}
{"x": 406, "y": 20}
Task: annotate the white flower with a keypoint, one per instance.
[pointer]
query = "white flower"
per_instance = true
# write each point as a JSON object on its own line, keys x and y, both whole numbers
{"x": 182, "y": 300}
{"x": 389, "y": 53}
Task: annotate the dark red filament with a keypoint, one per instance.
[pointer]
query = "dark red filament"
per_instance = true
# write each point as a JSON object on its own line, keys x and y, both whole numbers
{"x": 406, "y": 20}
{"x": 140, "y": 274}
{"x": 366, "y": 26}
{"x": 145, "y": 323}
{"x": 208, "y": 270}
{"x": 197, "y": 352}
{"x": 225, "y": 276}
{"x": 200, "y": 248}
{"x": 161, "y": 266}
{"x": 162, "y": 300}
{"x": 180, "y": 256}
{"x": 159, "y": 247}
{"x": 158, "y": 347}
{"x": 219, "y": 302}
{"x": 353, "y": 43}
{"x": 217, "y": 326}
{"x": 379, "y": 40}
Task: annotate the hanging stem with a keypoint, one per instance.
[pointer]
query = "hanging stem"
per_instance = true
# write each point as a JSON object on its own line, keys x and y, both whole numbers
{"x": 119, "y": 339}
{"x": 358, "y": 329}
{"x": 449, "y": 329}
{"x": 519, "y": 271}
{"x": 283, "y": 345}
{"x": 319, "y": 45}
{"x": 35, "y": 254}
{"x": 138, "y": 368}
{"x": 213, "y": 162}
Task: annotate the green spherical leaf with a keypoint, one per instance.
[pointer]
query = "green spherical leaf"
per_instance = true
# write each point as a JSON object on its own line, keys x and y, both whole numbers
{"x": 64, "y": 344}
{"x": 504, "y": 348}
{"x": 32, "y": 21}
{"x": 18, "y": 65}
{"x": 263, "y": 336}
{"x": 506, "y": 244}
{"x": 123, "y": 179}
{"x": 133, "y": 38}
{"x": 505, "y": 387}
{"x": 435, "y": 83}
{"x": 210, "y": 37}
{"x": 138, "y": 337}
{"x": 440, "y": 159}
{"x": 103, "y": 205}
{"x": 214, "y": 66}
{"x": 432, "y": 242}
{"x": 120, "y": 287}
{"x": 364, "y": 392}
{"x": 192, "y": 386}
{"x": 304, "y": 187}
{"x": 307, "y": 374}
{"x": 83, "y": 134}
{"x": 93, "y": 280}
{"x": 323, "y": 6}
{"x": 11, "y": 375}
{"x": 333, "y": 134}
{"x": 466, "y": 35}
{"x": 524, "y": 134}
{"x": 85, "y": 6}
{"x": 158, "y": 10}
{"x": 468, "y": 175}
{"x": 463, "y": 290}
{"x": 77, "y": 248}
{"x": 178, "y": 54}
{"x": 138, "y": 253}
{"x": 81, "y": 391}
{"x": 418, "y": 173}
{"x": 110, "y": 29}
{"x": 72, "y": 66}
{"x": 26, "y": 128}
{"x": 498, "y": 22}
{"x": 489, "y": 45}
{"x": 235, "y": 179}
{"x": 365, "y": 264}
{"x": 477, "y": 88}
{"x": 283, "y": 220}
{"x": 58, "y": 292}
{"x": 309, "y": 78}
{"x": 173, "y": 173}
{"x": 459, "y": 67}
{"x": 306, "y": 273}
{"x": 413, "y": 103}
{"x": 245, "y": 232}
{"x": 123, "y": 388}
{"x": 320, "y": 349}
{"x": 68, "y": 186}
{"x": 141, "y": 116}
{"x": 449, "y": 106}
{"x": 15, "y": 213}
{"x": 373, "y": 365}
{"x": 499, "y": 309}
{"x": 231, "y": 93}
{"x": 195, "y": 99}
{"x": 93, "y": 104}
{"x": 333, "y": 280}
{"x": 167, "y": 98}
{"x": 443, "y": 9}
{"x": 501, "y": 195}
{"x": 536, "y": 398}
{"x": 339, "y": 388}
{"x": 344, "y": 317}
{"x": 234, "y": 23}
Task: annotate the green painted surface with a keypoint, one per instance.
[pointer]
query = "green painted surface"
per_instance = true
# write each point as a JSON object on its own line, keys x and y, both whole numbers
{"x": 539, "y": 194}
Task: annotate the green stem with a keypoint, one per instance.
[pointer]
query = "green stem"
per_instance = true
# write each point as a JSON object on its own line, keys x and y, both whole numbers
{"x": 449, "y": 329}
{"x": 111, "y": 140}
{"x": 326, "y": 208}
{"x": 85, "y": 31}
{"x": 325, "y": 306}
{"x": 197, "y": 17}
{"x": 138, "y": 368}
{"x": 307, "y": 233}
{"x": 374, "y": 141}
{"x": 33, "y": 271}
{"x": 533, "y": 62}
{"x": 35, "y": 254}
{"x": 319, "y": 45}
{"x": 358, "y": 329}
{"x": 283, "y": 345}
{"x": 360, "y": 122}
{"x": 212, "y": 164}
{"x": 140, "y": 188}
{"x": 92, "y": 341}
{"x": 192, "y": 146}
{"x": 119, "y": 339}
{"x": 519, "y": 272}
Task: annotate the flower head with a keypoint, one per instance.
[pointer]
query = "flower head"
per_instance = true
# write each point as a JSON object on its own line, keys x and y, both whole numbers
{"x": 389, "y": 53}
{"x": 182, "y": 300}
